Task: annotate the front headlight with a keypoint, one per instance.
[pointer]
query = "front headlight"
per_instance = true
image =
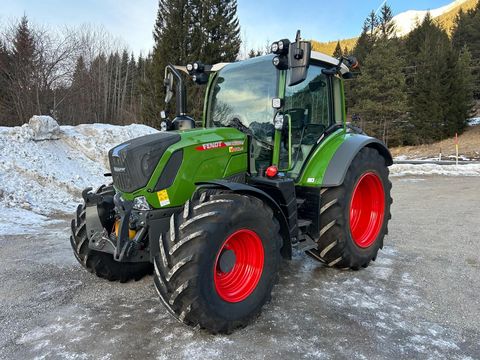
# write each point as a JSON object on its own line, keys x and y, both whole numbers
{"x": 274, "y": 47}
{"x": 140, "y": 203}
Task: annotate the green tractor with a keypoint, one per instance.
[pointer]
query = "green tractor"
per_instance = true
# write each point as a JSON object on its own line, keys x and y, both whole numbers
{"x": 212, "y": 211}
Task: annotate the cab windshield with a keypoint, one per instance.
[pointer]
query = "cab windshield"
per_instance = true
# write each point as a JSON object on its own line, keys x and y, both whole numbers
{"x": 241, "y": 97}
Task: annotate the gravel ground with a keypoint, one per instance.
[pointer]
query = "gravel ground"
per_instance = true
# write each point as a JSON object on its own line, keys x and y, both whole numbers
{"x": 418, "y": 300}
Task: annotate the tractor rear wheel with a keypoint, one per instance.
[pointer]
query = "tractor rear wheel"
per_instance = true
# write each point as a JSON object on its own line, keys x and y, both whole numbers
{"x": 354, "y": 216}
{"x": 219, "y": 261}
{"x": 99, "y": 263}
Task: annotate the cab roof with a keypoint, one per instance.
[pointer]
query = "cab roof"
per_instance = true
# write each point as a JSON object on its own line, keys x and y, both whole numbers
{"x": 318, "y": 56}
{"x": 329, "y": 60}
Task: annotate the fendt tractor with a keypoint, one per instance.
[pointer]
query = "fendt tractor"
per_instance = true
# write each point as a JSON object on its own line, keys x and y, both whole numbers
{"x": 212, "y": 211}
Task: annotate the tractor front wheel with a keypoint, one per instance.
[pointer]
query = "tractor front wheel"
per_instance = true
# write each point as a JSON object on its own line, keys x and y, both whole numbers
{"x": 354, "y": 216}
{"x": 218, "y": 263}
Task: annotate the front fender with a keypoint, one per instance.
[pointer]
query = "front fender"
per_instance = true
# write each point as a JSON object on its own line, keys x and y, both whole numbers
{"x": 343, "y": 157}
{"x": 253, "y": 191}
{"x": 330, "y": 161}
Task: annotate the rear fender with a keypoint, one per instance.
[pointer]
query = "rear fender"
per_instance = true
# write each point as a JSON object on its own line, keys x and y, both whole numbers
{"x": 240, "y": 188}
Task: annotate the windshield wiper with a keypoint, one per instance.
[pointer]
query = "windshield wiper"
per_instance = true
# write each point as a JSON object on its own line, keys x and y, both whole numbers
{"x": 237, "y": 124}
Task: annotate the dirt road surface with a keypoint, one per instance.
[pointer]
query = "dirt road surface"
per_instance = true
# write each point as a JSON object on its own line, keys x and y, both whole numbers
{"x": 420, "y": 299}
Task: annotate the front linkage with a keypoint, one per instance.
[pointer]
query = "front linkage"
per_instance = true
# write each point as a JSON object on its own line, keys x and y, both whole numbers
{"x": 114, "y": 226}
{"x": 122, "y": 222}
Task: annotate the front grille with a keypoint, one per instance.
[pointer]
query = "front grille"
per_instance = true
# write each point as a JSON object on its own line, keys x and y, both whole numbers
{"x": 121, "y": 179}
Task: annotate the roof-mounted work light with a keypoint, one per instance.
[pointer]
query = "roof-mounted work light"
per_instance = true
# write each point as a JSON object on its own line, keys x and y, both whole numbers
{"x": 280, "y": 47}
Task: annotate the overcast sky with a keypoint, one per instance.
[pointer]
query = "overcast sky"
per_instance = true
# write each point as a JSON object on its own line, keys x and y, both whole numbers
{"x": 132, "y": 20}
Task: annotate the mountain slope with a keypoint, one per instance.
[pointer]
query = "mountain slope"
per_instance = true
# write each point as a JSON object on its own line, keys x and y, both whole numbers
{"x": 447, "y": 20}
{"x": 469, "y": 147}
{"x": 406, "y": 22}
{"x": 329, "y": 47}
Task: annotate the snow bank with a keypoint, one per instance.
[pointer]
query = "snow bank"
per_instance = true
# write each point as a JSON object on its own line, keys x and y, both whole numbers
{"x": 433, "y": 169}
{"x": 17, "y": 221}
{"x": 46, "y": 177}
{"x": 474, "y": 121}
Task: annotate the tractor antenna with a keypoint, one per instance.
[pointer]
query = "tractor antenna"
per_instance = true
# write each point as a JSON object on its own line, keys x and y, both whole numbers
{"x": 298, "y": 37}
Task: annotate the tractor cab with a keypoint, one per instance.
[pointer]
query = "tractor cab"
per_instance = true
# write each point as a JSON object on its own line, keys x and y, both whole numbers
{"x": 284, "y": 102}
{"x": 241, "y": 95}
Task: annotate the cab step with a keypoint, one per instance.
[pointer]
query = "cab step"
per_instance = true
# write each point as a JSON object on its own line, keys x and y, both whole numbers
{"x": 305, "y": 244}
{"x": 300, "y": 202}
{"x": 303, "y": 223}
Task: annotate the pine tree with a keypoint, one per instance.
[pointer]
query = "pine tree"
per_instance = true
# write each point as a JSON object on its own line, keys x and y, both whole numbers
{"x": 123, "y": 86}
{"x": 6, "y": 106}
{"x": 79, "y": 88}
{"x": 361, "y": 51}
{"x": 338, "y": 51}
{"x": 466, "y": 32}
{"x": 99, "y": 77}
{"x": 371, "y": 23}
{"x": 173, "y": 39}
{"x": 221, "y": 27}
{"x": 466, "y": 86}
{"x": 385, "y": 22}
{"x": 187, "y": 31}
{"x": 380, "y": 93}
{"x": 132, "y": 88}
{"x": 459, "y": 94}
{"x": 364, "y": 45}
{"x": 24, "y": 86}
{"x": 428, "y": 51}
{"x": 251, "y": 54}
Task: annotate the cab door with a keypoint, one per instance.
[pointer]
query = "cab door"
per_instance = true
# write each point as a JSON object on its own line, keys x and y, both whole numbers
{"x": 310, "y": 110}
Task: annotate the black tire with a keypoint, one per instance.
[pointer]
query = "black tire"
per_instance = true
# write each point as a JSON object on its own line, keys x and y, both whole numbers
{"x": 336, "y": 246}
{"x": 99, "y": 263}
{"x": 186, "y": 267}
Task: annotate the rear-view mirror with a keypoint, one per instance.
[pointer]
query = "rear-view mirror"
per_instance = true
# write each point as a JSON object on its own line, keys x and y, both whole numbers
{"x": 298, "y": 61}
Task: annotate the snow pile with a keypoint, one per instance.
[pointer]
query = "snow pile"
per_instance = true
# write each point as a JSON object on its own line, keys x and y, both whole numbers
{"x": 44, "y": 128}
{"x": 433, "y": 169}
{"x": 47, "y": 177}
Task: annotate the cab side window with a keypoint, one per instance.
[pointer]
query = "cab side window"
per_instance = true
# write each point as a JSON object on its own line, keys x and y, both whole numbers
{"x": 311, "y": 96}
{"x": 337, "y": 100}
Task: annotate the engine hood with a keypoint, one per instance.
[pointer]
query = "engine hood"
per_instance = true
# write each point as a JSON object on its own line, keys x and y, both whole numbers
{"x": 132, "y": 163}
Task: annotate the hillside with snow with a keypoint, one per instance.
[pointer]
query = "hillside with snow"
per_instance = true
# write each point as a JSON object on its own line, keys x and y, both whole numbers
{"x": 405, "y": 22}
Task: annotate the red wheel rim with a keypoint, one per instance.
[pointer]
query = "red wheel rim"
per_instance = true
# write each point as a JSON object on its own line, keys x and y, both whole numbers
{"x": 238, "y": 283}
{"x": 367, "y": 209}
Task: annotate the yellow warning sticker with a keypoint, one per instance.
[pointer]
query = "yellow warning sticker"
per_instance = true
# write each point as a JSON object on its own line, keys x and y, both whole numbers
{"x": 163, "y": 197}
{"x": 235, "y": 148}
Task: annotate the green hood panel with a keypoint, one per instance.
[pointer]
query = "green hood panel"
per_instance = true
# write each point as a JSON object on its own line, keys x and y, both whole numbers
{"x": 208, "y": 154}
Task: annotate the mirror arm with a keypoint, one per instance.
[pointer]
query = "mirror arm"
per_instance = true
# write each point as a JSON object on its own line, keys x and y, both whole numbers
{"x": 350, "y": 62}
{"x": 180, "y": 93}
